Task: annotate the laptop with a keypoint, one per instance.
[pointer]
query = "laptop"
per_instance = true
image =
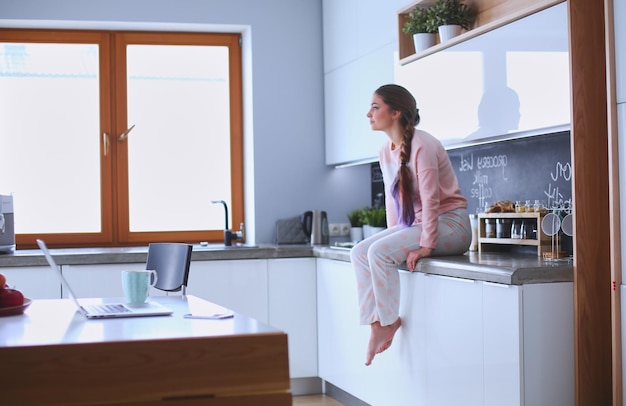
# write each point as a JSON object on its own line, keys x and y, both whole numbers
{"x": 105, "y": 310}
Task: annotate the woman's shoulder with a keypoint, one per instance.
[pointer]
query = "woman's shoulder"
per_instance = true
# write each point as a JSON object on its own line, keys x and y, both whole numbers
{"x": 425, "y": 138}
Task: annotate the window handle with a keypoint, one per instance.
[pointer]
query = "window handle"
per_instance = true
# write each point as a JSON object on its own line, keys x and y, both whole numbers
{"x": 124, "y": 135}
{"x": 105, "y": 141}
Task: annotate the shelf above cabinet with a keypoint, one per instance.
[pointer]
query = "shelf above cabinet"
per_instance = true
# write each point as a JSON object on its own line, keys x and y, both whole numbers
{"x": 491, "y": 14}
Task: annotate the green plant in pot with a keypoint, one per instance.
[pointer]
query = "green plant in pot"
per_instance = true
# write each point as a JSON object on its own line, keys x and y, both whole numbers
{"x": 448, "y": 13}
{"x": 421, "y": 20}
{"x": 374, "y": 220}
{"x": 355, "y": 217}
{"x": 422, "y": 25}
{"x": 375, "y": 217}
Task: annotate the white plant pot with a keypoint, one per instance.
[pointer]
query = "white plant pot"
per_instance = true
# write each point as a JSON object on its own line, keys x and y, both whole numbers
{"x": 447, "y": 32}
{"x": 369, "y": 231}
{"x": 423, "y": 40}
{"x": 356, "y": 234}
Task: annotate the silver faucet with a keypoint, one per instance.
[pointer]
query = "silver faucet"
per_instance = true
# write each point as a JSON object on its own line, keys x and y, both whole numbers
{"x": 230, "y": 236}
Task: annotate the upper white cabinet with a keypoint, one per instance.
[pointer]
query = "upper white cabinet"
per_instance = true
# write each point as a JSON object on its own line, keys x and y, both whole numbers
{"x": 348, "y": 94}
{"x": 507, "y": 82}
{"x": 360, "y": 43}
{"x": 353, "y": 29}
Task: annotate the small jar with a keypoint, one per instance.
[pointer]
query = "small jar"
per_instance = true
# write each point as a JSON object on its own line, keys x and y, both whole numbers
{"x": 542, "y": 207}
{"x": 490, "y": 228}
{"x": 523, "y": 233}
{"x": 520, "y": 207}
{"x": 516, "y": 229}
{"x": 503, "y": 228}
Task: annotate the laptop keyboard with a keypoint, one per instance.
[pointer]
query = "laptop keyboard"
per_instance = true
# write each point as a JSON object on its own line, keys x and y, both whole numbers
{"x": 108, "y": 309}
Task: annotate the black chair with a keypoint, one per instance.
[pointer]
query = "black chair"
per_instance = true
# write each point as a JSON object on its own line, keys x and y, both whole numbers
{"x": 171, "y": 262}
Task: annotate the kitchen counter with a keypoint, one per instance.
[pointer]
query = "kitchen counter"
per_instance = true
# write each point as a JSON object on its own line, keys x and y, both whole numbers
{"x": 505, "y": 268}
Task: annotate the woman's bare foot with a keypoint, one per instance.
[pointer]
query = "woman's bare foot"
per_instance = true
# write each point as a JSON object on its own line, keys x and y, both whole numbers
{"x": 381, "y": 338}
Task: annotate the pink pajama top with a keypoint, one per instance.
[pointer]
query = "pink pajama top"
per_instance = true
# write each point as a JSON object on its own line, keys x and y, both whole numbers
{"x": 434, "y": 180}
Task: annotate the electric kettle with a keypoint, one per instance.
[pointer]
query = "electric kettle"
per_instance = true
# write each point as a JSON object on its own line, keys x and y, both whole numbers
{"x": 315, "y": 226}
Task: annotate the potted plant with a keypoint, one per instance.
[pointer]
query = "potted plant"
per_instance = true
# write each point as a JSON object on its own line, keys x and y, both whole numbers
{"x": 422, "y": 26}
{"x": 374, "y": 220}
{"x": 451, "y": 16}
{"x": 355, "y": 217}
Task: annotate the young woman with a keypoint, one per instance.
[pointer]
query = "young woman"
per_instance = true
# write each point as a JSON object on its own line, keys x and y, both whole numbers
{"x": 426, "y": 213}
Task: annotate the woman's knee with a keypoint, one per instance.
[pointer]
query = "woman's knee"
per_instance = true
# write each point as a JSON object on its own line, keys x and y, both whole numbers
{"x": 358, "y": 252}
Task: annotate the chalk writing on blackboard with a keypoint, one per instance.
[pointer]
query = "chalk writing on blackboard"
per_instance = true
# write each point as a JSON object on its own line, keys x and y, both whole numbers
{"x": 534, "y": 168}
{"x": 554, "y": 197}
{"x": 480, "y": 189}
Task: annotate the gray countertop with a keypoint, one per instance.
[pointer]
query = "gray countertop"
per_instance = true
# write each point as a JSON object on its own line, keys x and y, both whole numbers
{"x": 505, "y": 268}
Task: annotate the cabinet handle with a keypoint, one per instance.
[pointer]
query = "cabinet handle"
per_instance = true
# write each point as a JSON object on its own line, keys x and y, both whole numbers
{"x": 497, "y": 285}
{"x": 452, "y": 278}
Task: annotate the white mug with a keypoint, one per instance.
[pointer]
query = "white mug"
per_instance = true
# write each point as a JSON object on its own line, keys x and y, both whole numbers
{"x": 136, "y": 284}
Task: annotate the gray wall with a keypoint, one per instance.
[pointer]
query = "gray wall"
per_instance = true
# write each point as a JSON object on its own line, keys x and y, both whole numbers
{"x": 283, "y": 74}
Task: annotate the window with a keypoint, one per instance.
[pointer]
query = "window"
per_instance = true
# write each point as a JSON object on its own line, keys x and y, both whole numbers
{"x": 120, "y": 138}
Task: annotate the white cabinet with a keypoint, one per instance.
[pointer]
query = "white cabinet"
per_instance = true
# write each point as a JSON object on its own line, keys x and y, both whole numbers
{"x": 529, "y": 344}
{"x": 358, "y": 58}
{"x": 505, "y": 90}
{"x": 348, "y": 94}
{"x": 462, "y": 342}
{"x": 292, "y": 308}
{"x": 33, "y": 282}
{"x": 280, "y": 292}
{"x": 99, "y": 280}
{"x": 341, "y": 341}
{"x": 397, "y": 376}
{"x": 502, "y": 325}
{"x": 349, "y": 32}
{"x": 454, "y": 341}
{"x": 238, "y": 285}
{"x": 548, "y": 344}
{"x": 436, "y": 356}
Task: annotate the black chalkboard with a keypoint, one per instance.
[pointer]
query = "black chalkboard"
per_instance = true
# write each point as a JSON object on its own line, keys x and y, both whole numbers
{"x": 537, "y": 167}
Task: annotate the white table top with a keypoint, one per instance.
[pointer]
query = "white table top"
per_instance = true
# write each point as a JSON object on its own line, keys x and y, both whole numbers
{"x": 56, "y": 321}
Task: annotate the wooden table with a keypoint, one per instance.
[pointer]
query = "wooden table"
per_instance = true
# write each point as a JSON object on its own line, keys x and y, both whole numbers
{"x": 52, "y": 355}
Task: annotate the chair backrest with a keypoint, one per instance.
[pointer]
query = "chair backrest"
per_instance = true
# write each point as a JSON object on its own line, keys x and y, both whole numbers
{"x": 171, "y": 262}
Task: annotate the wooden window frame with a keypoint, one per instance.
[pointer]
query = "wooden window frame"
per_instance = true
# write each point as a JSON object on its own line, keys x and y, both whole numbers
{"x": 113, "y": 121}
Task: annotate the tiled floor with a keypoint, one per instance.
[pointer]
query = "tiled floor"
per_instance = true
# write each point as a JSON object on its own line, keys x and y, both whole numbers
{"x": 315, "y": 400}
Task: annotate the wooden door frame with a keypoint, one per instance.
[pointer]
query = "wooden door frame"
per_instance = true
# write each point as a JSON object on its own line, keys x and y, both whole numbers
{"x": 597, "y": 246}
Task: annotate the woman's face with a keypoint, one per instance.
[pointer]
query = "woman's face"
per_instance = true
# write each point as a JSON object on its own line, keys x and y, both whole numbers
{"x": 380, "y": 114}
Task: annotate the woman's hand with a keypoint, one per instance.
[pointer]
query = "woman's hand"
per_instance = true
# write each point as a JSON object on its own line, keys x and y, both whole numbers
{"x": 411, "y": 259}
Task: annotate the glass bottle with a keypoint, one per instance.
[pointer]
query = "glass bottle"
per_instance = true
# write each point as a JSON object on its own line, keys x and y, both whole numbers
{"x": 490, "y": 228}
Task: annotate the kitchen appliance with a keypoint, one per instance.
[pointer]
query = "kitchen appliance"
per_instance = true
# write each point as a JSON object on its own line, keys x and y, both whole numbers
{"x": 7, "y": 224}
{"x": 315, "y": 226}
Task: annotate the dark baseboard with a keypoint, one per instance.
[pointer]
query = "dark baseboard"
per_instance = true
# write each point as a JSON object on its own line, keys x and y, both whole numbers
{"x": 342, "y": 396}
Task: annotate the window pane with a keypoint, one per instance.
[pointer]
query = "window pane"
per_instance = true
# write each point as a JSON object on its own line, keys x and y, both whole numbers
{"x": 49, "y": 136}
{"x": 179, "y": 150}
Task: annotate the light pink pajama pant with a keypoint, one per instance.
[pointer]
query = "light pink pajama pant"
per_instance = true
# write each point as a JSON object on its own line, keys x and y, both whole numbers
{"x": 376, "y": 259}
